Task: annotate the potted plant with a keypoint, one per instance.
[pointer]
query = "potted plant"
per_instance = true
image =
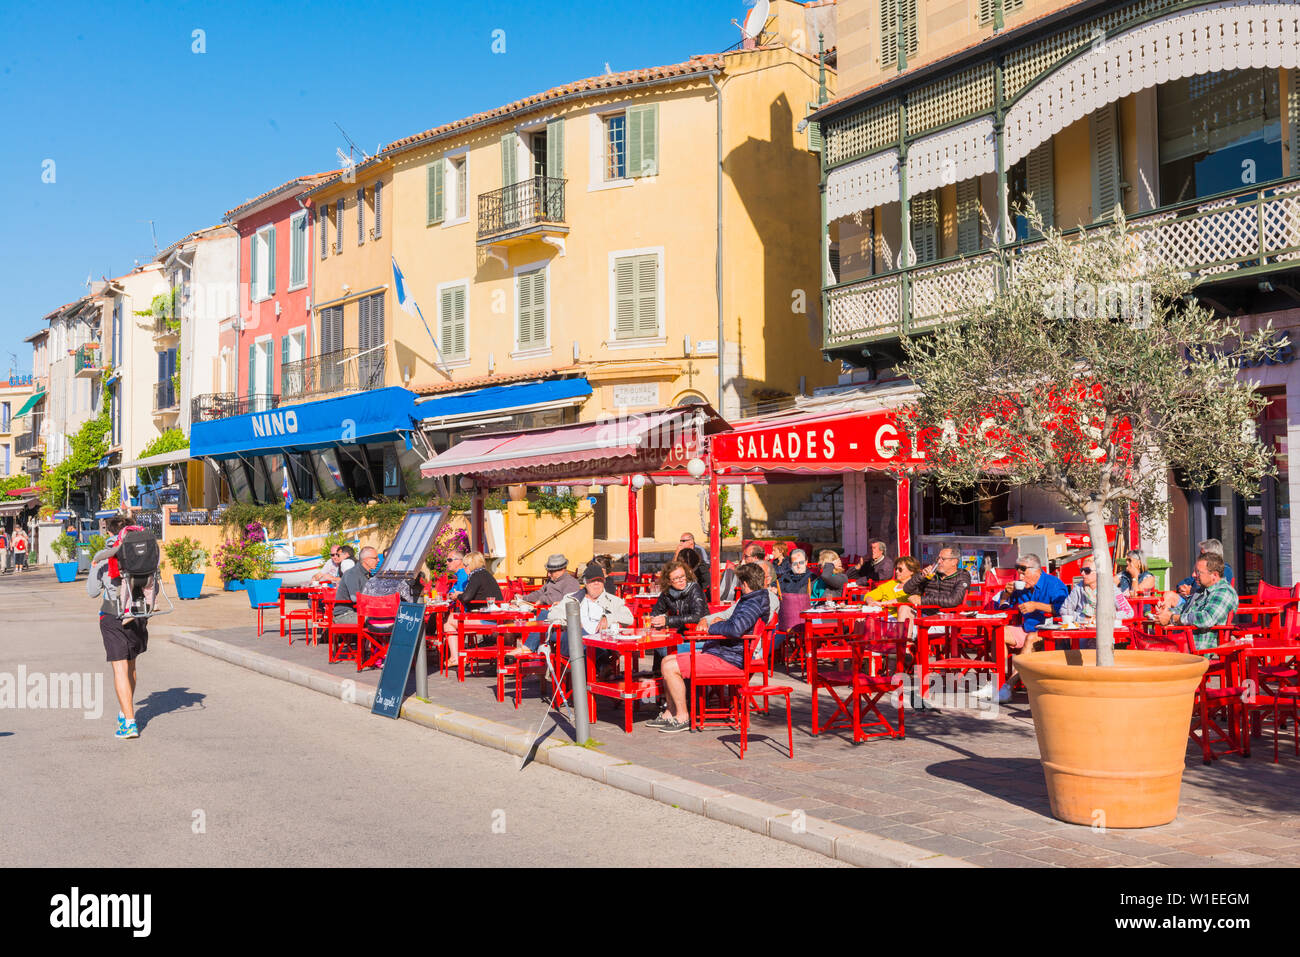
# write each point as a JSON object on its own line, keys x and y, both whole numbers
{"x": 186, "y": 557}
{"x": 65, "y": 547}
{"x": 231, "y": 560}
{"x": 1091, "y": 371}
{"x": 262, "y": 588}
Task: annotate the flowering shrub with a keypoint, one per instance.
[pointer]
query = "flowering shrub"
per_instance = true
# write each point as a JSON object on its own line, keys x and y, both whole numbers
{"x": 449, "y": 540}
{"x": 249, "y": 558}
{"x": 254, "y": 532}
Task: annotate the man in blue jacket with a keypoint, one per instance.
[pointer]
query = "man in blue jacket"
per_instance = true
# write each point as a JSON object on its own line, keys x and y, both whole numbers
{"x": 729, "y": 646}
{"x": 1036, "y": 595}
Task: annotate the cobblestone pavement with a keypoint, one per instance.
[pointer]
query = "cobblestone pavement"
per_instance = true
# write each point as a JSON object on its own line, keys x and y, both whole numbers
{"x": 957, "y": 784}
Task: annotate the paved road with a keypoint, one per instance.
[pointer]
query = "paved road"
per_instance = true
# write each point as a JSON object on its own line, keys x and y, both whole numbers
{"x": 234, "y": 768}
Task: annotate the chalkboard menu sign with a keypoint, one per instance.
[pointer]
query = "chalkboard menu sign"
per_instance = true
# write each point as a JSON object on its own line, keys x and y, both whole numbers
{"x": 408, "y": 632}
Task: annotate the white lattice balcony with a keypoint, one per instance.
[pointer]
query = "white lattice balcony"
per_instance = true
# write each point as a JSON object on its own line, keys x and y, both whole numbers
{"x": 1238, "y": 234}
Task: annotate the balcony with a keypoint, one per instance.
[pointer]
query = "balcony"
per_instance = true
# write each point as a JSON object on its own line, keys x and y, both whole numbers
{"x": 319, "y": 375}
{"x": 28, "y": 443}
{"x": 86, "y": 361}
{"x": 531, "y": 209}
{"x": 223, "y": 405}
{"x": 164, "y": 398}
{"x": 1219, "y": 238}
{"x": 166, "y": 330}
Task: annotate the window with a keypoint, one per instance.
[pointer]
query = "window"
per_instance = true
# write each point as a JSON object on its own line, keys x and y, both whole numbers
{"x": 453, "y": 321}
{"x": 298, "y": 250}
{"x": 323, "y": 227}
{"x": 460, "y": 183}
{"x": 338, "y": 227}
{"x": 897, "y": 16}
{"x": 379, "y": 209}
{"x": 631, "y": 143}
{"x": 262, "y": 263}
{"x": 615, "y": 147}
{"x": 370, "y": 341}
{"x": 361, "y": 216}
{"x": 292, "y": 351}
{"x": 531, "y": 302}
{"x": 635, "y": 283}
{"x": 987, "y": 7}
{"x": 925, "y": 226}
{"x": 1218, "y": 132}
{"x": 435, "y": 196}
{"x": 538, "y": 141}
{"x": 332, "y": 375}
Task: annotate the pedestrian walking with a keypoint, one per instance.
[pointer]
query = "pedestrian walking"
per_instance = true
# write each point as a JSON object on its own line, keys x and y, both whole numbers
{"x": 123, "y": 641}
{"x": 20, "y": 545}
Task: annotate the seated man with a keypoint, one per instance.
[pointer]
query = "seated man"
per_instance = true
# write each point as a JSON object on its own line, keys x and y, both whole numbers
{"x": 1035, "y": 595}
{"x": 559, "y": 582}
{"x": 1081, "y": 603}
{"x": 597, "y": 611}
{"x": 353, "y": 583}
{"x": 1214, "y": 604}
{"x": 751, "y": 608}
{"x": 456, "y": 574}
{"x": 943, "y": 584}
{"x": 1189, "y": 586}
{"x": 773, "y": 592}
{"x": 341, "y": 561}
{"x": 877, "y": 568}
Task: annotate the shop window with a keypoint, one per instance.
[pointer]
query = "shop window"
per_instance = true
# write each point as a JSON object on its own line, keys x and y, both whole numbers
{"x": 236, "y": 475}
{"x": 329, "y": 475}
{"x": 354, "y": 468}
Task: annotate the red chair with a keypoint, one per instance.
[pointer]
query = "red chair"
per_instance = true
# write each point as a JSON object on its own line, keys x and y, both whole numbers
{"x": 826, "y": 642}
{"x": 749, "y": 695}
{"x": 1222, "y": 717}
{"x": 336, "y": 632}
{"x": 879, "y": 667}
{"x": 375, "y": 618}
{"x": 519, "y": 666}
{"x": 711, "y": 672}
{"x": 304, "y": 614}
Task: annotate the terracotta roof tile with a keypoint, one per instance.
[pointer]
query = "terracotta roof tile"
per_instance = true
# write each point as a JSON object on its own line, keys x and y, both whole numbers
{"x": 309, "y": 180}
{"x": 464, "y": 385}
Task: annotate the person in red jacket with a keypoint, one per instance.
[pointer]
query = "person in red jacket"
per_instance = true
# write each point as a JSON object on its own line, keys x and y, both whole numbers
{"x": 20, "y": 549}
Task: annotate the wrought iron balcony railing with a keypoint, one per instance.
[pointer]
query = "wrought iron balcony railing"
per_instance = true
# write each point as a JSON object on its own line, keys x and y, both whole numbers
{"x": 87, "y": 361}
{"x": 27, "y": 443}
{"x": 1231, "y": 235}
{"x": 222, "y": 405}
{"x": 320, "y": 375}
{"x": 532, "y": 202}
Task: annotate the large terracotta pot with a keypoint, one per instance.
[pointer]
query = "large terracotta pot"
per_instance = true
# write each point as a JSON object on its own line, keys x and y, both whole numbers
{"x": 1112, "y": 740}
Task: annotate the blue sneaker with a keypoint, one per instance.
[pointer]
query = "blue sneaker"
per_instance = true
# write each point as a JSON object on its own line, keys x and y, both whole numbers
{"x": 127, "y": 729}
{"x": 121, "y": 721}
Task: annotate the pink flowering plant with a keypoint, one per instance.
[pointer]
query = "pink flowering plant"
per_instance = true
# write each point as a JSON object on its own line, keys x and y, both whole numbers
{"x": 248, "y": 558}
{"x": 449, "y": 540}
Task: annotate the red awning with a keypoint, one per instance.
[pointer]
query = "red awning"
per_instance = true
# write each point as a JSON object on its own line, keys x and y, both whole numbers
{"x": 652, "y": 442}
{"x": 819, "y": 444}
{"x": 30, "y": 490}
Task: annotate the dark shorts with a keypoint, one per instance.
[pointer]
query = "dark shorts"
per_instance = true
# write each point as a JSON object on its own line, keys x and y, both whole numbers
{"x": 123, "y": 642}
{"x": 20, "y": 559}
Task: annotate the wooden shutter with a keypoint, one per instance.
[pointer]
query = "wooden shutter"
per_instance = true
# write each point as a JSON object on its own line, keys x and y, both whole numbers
{"x": 361, "y": 216}
{"x": 379, "y": 209}
{"x": 814, "y": 132}
{"x": 298, "y": 251}
{"x": 436, "y": 199}
{"x": 270, "y": 261}
{"x": 267, "y": 381}
{"x": 643, "y": 140}
{"x": 323, "y": 227}
{"x": 284, "y": 368}
{"x": 986, "y": 12}
{"x": 447, "y": 323}
{"x": 253, "y": 242}
{"x": 252, "y": 368}
{"x": 1040, "y": 182}
{"x": 460, "y": 331}
{"x": 925, "y": 226}
{"x": 625, "y": 298}
{"x": 636, "y": 297}
{"x": 509, "y": 159}
{"x": 555, "y": 149}
{"x": 1293, "y": 119}
{"x": 1103, "y": 127}
{"x": 338, "y": 227}
{"x": 532, "y": 309}
{"x": 647, "y": 295}
{"x": 888, "y": 32}
{"x": 968, "y": 217}
{"x": 908, "y": 24}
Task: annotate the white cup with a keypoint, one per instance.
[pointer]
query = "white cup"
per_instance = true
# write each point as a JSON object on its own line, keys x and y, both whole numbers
{"x": 1020, "y": 586}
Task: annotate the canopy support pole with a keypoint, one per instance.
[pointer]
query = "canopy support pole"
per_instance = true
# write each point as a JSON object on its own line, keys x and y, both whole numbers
{"x": 478, "y": 521}
{"x": 715, "y": 536}
{"x": 1134, "y": 526}
{"x": 904, "y": 516}
{"x": 633, "y": 531}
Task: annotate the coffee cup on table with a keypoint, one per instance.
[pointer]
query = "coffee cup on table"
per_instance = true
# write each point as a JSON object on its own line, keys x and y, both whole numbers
{"x": 1020, "y": 586}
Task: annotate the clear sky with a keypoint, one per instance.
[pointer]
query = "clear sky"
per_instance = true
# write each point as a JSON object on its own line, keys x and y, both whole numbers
{"x": 111, "y": 102}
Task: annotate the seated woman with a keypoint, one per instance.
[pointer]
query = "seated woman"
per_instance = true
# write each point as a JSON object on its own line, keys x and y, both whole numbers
{"x": 680, "y": 603}
{"x": 832, "y": 580}
{"x": 780, "y": 559}
{"x": 891, "y": 592}
{"x": 1135, "y": 579}
{"x": 480, "y": 589}
{"x": 700, "y": 571}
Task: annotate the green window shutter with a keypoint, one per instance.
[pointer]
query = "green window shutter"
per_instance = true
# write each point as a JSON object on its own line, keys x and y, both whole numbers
{"x": 361, "y": 216}
{"x": 814, "y": 132}
{"x": 284, "y": 371}
{"x": 968, "y": 217}
{"x": 539, "y": 308}
{"x": 298, "y": 251}
{"x": 459, "y": 331}
{"x": 555, "y": 149}
{"x": 338, "y": 226}
{"x": 888, "y": 32}
{"x": 1103, "y": 128}
{"x": 925, "y": 226}
{"x": 1040, "y": 181}
{"x": 509, "y": 159}
{"x": 1293, "y": 119}
{"x": 451, "y": 322}
{"x": 625, "y": 298}
{"x": 532, "y": 309}
{"x": 252, "y": 368}
{"x": 436, "y": 197}
{"x": 647, "y": 295}
{"x": 322, "y": 227}
{"x": 253, "y": 242}
{"x": 643, "y": 140}
{"x": 270, "y": 261}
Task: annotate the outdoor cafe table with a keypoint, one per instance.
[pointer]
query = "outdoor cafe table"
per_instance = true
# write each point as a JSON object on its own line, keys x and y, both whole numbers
{"x": 1051, "y": 635}
{"x": 498, "y": 616}
{"x": 310, "y": 593}
{"x": 630, "y": 645}
{"x": 953, "y": 625}
{"x": 641, "y": 604}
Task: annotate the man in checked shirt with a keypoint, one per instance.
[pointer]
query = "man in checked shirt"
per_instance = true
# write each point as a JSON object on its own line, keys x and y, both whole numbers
{"x": 1214, "y": 605}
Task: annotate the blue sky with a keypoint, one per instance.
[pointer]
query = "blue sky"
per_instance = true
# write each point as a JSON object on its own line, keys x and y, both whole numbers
{"x": 140, "y": 127}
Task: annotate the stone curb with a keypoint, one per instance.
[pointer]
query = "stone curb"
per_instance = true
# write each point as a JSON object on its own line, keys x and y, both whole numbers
{"x": 824, "y": 837}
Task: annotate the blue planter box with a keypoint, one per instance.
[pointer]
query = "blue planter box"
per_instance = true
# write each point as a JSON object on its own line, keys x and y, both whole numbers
{"x": 264, "y": 591}
{"x": 235, "y": 584}
{"x": 66, "y": 571}
{"x": 188, "y": 587}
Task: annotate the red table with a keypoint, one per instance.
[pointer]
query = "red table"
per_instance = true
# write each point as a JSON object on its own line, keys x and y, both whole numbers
{"x": 1269, "y": 630}
{"x": 630, "y": 686}
{"x": 954, "y": 625}
{"x": 640, "y": 605}
{"x": 485, "y": 623}
{"x": 1051, "y": 635}
{"x": 308, "y": 616}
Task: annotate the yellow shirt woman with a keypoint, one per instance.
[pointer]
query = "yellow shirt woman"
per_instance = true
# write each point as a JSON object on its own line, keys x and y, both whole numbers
{"x": 891, "y": 590}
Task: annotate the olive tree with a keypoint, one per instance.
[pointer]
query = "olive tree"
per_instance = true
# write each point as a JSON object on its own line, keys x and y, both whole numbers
{"x": 1088, "y": 369}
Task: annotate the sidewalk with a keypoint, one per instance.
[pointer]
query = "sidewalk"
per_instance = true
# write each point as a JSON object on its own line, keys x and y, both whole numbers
{"x": 957, "y": 785}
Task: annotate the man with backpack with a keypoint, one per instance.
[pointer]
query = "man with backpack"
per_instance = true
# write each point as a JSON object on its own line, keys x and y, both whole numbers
{"x": 131, "y": 553}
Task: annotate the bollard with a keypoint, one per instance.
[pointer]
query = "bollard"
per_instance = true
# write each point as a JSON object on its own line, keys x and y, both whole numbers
{"x": 578, "y": 674}
{"x": 422, "y": 665}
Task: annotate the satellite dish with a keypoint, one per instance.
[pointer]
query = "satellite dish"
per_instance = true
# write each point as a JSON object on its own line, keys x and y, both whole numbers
{"x": 756, "y": 20}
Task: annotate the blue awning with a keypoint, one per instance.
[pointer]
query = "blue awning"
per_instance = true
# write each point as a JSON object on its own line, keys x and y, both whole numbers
{"x": 348, "y": 420}
{"x": 106, "y": 513}
{"x": 501, "y": 398}
{"x": 103, "y": 463}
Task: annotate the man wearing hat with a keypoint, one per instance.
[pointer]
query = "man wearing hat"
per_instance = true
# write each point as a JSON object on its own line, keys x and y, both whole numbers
{"x": 559, "y": 582}
{"x": 598, "y": 610}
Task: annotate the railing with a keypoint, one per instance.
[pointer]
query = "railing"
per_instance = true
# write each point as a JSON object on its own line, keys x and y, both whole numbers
{"x": 164, "y": 396}
{"x": 328, "y": 372}
{"x": 197, "y": 517}
{"x": 1237, "y": 234}
{"x": 163, "y": 326}
{"x": 223, "y": 405}
{"x": 86, "y": 358}
{"x": 26, "y": 442}
{"x": 531, "y": 202}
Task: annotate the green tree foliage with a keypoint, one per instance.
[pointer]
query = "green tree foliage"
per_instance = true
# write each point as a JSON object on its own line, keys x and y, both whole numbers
{"x": 86, "y": 447}
{"x": 170, "y": 441}
{"x": 1091, "y": 373}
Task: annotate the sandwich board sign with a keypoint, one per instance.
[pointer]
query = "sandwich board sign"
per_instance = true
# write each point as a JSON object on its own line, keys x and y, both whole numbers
{"x": 408, "y": 632}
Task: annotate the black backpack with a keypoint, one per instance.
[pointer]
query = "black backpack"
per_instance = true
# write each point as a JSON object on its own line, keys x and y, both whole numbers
{"x": 138, "y": 555}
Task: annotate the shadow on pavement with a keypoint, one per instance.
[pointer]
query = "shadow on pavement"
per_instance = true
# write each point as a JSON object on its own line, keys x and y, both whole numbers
{"x": 162, "y": 702}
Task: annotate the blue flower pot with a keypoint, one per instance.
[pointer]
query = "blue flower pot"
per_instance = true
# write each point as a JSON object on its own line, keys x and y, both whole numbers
{"x": 263, "y": 591}
{"x": 188, "y": 587}
{"x": 235, "y": 584}
{"x": 66, "y": 571}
